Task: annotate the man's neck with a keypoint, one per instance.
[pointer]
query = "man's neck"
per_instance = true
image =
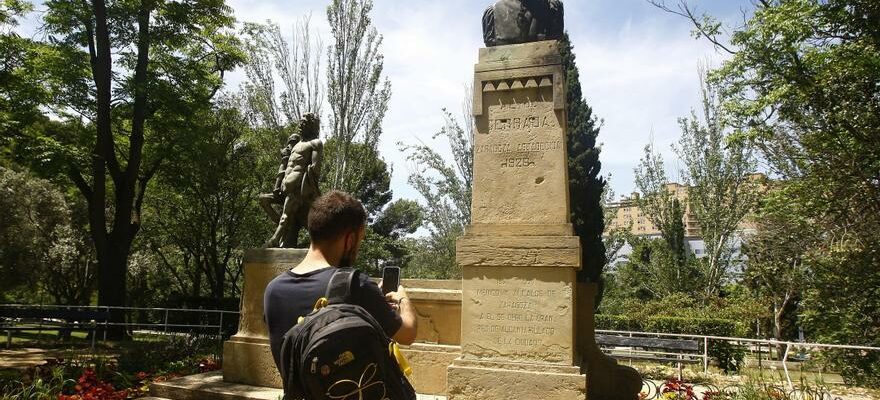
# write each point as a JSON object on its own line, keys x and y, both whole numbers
{"x": 315, "y": 259}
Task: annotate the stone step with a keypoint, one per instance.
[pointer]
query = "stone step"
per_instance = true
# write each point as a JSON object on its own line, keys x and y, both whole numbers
{"x": 210, "y": 386}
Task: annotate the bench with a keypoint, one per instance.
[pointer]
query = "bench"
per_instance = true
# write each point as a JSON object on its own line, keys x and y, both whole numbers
{"x": 62, "y": 319}
{"x": 677, "y": 351}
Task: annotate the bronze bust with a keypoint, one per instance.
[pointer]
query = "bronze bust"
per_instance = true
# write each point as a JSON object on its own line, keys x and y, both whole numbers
{"x": 522, "y": 21}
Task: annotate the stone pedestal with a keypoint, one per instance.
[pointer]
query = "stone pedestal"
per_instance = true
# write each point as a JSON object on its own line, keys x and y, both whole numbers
{"x": 247, "y": 358}
{"x": 519, "y": 257}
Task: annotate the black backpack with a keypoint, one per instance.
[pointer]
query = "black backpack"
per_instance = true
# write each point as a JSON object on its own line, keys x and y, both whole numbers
{"x": 339, "y": 351}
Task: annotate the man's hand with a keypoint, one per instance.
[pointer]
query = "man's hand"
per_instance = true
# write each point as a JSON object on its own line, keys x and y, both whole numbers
{"x": 394, "y": 298}
{"x": 401, "y": 303}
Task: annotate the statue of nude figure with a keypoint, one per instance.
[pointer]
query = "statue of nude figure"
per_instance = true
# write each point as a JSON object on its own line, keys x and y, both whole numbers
{"x": 299, "y": 186}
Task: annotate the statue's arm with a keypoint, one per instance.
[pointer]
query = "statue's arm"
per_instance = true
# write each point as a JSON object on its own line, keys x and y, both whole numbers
{"x": 317, "y": 154}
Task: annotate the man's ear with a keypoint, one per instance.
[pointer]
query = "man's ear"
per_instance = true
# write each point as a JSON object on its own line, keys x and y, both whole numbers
{"x": 349, "y": 240}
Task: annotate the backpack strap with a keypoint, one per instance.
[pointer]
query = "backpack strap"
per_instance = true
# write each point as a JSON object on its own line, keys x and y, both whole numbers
{"x": 339, "y": 288}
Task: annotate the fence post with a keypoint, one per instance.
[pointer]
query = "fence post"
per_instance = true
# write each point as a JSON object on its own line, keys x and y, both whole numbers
{"x": 705, "y": 355}
{"x": 630, "y": 352}
{"x": 166, "y": 320}
{"x": 8, "y": 339}
{"x": 106, "y": 321}
{"x": 220, "y": 332}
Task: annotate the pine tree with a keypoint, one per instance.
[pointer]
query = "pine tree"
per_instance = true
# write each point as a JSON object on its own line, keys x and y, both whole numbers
{"x": 584, "y": 182}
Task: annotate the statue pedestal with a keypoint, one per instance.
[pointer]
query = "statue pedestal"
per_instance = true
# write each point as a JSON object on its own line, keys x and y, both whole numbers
{"x": 519, "y": 256}
{"x": 247, "y": 358}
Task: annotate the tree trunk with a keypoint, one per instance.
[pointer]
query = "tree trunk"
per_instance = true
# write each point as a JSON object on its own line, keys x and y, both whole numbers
{"x": 112, "y": 271}
{"x": 777, "y": 329}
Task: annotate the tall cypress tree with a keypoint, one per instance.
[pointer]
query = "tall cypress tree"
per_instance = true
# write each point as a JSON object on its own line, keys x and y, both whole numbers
{"x": 585, "y": 185}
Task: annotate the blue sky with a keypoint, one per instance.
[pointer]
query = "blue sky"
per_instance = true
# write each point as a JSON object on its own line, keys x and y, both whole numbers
{"x": 638, "y": 68}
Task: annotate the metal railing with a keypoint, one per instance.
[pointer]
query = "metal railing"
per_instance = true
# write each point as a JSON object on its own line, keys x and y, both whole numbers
{"x": 753, "y": 345}
{"x": 150, "y": 319}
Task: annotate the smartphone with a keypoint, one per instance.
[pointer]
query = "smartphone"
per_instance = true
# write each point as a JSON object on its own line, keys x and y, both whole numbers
{"x": 390, "y": 279}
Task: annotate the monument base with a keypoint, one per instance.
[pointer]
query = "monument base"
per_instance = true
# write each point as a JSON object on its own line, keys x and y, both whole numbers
{"x": 247, "y": 358}
{"x": 481, "y": 380}
{"x": 249, "y": 361}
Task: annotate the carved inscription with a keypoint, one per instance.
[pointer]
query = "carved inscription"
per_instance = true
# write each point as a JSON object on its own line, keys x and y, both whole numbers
{"x": 517, "y": 132}
{"x": 517, "y": 317}
{"x": 508, "y": 125}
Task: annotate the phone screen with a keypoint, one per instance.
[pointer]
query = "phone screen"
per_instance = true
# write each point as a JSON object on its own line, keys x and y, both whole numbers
{"x": 390, "y": 279}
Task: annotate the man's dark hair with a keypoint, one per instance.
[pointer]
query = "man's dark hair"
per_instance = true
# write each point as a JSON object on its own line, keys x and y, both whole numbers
{"x": 334, "y": 214}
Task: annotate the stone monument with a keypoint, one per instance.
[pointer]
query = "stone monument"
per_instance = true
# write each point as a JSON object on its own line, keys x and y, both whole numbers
{"x": 519, "y": 256}
{"x": 526, "y": 332}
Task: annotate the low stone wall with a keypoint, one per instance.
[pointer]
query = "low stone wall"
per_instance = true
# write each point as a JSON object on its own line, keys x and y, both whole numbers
{"x": 438, "y": 304}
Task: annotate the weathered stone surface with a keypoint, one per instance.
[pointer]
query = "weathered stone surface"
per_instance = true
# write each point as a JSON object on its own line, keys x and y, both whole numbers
{"x": 480, "y": 381}
{"x": 429, "y": 363}
{"x": 246, "y": 355}
{"x": 525, "y": 251}
{"x": 507, "y": 58}
{"x": 519, "y": 230}
{"x": 520, "y": 165}
{"x": 438, "y": 312}
{"x": 250, "y": 362}
{"x": 521, "y": 314}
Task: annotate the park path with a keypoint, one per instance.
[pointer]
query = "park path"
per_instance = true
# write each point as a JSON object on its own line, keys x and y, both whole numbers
{"x": 24, "y": 357}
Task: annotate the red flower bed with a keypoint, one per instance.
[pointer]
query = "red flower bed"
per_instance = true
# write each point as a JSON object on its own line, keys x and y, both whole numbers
{"x": 89, "y": 387}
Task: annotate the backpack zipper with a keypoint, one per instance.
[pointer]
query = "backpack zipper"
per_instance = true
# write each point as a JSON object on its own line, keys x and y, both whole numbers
{"x": 314, "y": 365}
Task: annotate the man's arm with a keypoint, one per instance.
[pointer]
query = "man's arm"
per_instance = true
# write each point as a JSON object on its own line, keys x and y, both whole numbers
{"x": 410, "y": 323}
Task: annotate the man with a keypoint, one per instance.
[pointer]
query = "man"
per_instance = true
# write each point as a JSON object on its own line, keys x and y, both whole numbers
{"x": 299, "y": 185}
{"x": 336, "y": 225}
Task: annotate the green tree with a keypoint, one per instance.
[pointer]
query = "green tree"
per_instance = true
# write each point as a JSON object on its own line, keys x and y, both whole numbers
{"x": 803, "y": 85}
{"x": 203, "y": 213}
{"x": 446, "y": 191}
{"x": 45, "y": 256}
{"x": 356, "y": 90}
{"x": 296, "y": 63}
{"x": 585, "y": 184}
{"x": 660, "y": 205}
{"x": 778, "y": 255}
{"x": 126, "y": 77}
{"x": 615, "y": 238}
{"x": 721, "y": 191}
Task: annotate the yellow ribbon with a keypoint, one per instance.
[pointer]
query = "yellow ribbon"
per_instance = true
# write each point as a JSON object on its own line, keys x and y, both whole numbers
{"x": 394, "y": 349}
{"x": 321, "y": 303}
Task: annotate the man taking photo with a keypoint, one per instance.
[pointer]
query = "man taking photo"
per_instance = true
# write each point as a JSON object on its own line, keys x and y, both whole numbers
{"x": 337, "y": 226}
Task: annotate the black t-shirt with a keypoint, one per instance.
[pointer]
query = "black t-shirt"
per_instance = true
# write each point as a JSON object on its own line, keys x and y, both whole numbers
{"x": 291, "y": 295}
